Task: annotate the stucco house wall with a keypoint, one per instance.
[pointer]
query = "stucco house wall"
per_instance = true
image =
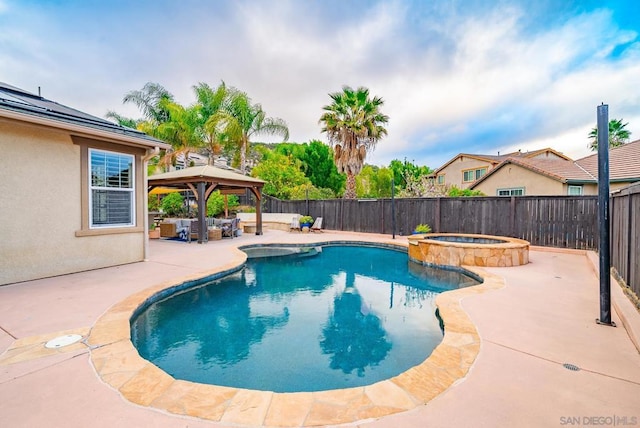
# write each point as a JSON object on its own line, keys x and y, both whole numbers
{"x": 453, "y": 173}
{"x": 41, "y": 210}
{"x": 514, "y": 176}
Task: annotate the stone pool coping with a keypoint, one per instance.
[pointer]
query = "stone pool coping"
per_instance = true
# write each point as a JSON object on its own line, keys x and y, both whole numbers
{"x": 118, "y": 364}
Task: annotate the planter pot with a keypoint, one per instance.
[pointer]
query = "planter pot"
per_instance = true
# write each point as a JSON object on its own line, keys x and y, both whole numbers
{"x": 305, "y": 224}
{"x": 154, "y": 234}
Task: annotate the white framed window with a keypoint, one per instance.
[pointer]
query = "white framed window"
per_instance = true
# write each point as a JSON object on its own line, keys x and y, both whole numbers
{"x": 574, "y": 190}
{"x": 111, "y": 189}
{"x": 514, "y": 191}
{"x": 473, "y": 174}
{"x": 441, "y": 179}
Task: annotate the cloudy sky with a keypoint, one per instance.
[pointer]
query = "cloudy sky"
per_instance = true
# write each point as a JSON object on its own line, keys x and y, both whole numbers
{"x": 456, "y": 76}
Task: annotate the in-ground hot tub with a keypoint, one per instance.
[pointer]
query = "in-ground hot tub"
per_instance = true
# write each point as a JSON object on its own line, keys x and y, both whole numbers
{"x": 456, "y": 249}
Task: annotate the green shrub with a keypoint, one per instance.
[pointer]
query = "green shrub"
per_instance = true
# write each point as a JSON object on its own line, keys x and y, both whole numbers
{"x": 215, "y": 204}
{"x": 456, "y": 192}
{"x": 422, "y": 228}
{"x": 306, "y": 219}
{"x": 301, "y": 192}
{"x": 173, "y": 204}
{"x": 245, "y": 209}
{"x": 154, "y": 203}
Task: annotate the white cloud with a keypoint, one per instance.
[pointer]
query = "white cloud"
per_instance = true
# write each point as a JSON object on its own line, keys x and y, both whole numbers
{"x": 451, "y": 81}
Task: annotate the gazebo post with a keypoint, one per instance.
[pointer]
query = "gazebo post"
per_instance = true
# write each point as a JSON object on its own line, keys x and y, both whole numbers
{"x": 257, "y": 192}
{"x": 202, "y": 212}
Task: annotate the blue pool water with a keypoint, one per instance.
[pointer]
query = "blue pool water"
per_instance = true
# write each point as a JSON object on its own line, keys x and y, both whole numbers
{"x": 340, "y": 317}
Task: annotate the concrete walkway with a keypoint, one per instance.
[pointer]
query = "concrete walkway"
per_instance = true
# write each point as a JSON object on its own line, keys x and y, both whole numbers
{"x": 544, "y": 317}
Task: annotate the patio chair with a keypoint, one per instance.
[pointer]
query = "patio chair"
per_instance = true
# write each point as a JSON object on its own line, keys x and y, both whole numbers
{"x": 317, "y": 225}
{"x": 230, "y": 228}
{"x": 194, "y": 229}
{"x": 295, "y": 223}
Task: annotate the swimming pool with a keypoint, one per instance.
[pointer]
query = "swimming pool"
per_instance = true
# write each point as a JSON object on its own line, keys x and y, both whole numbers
{"x": 337, "y": 317}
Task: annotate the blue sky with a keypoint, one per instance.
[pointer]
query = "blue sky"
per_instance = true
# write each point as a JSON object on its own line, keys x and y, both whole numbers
{"x": 465, "y": 76}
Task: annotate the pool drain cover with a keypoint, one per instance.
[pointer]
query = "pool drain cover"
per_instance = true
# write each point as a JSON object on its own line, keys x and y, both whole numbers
{"x": 61, "y": 341}
{"x": 571, "y": 367}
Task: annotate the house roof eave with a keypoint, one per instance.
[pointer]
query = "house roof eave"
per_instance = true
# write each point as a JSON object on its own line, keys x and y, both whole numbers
{"x": 124, "y": 136}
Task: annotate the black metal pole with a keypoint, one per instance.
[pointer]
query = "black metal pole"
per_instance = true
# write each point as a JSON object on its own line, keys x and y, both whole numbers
{"x": 603, "y": 215}
{"x": 393, "y": 207}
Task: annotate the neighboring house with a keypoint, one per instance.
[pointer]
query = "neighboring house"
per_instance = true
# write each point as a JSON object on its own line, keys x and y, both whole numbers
{"x": 197, "y": 159}
{"x": 465, "y": 169}
{"x": 73, "y": 189}
{"x": 517, "y": 176}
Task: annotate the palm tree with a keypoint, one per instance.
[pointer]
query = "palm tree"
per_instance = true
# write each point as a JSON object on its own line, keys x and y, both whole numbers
{"x": 618, "y": 135}
{"x": 246, "y": 120}
{"x": 122, "y": 120}
{"x": 354, "y": 124}
{"x": 149, "y": 100}
{"x": 180, "y": 129}
{"x": 213, "y": 116}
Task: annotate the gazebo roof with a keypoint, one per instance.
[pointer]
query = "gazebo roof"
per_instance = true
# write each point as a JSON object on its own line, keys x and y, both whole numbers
{"x": 223, "y": 178}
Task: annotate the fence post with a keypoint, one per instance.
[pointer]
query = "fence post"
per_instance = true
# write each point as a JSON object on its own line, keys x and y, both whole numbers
{"x": 629, "y": 235}
{"x": 512, "y": 218}
{"x": 437, "y": 215}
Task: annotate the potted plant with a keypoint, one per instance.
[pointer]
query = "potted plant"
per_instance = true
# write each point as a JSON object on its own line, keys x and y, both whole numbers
{"x": 154, "y": 232}
{"x": 421, "y": 229}
{"x": 306, "y": 221}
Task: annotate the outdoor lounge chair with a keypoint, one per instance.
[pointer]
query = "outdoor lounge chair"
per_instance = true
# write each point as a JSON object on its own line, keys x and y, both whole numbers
{"x": 230, "y": 227}
{"x": 194, "y": 228}
{"x": 295, "y": 223}
{"x": 317, "y": 225}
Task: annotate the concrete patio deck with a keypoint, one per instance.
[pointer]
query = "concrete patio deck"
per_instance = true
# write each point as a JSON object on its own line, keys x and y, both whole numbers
{"x": 542, "y": 318}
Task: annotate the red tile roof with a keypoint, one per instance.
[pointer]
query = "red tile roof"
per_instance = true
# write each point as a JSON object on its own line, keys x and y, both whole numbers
{"x": 624, "y": 162}
{"x": 624, "y": 165}
{"x": 496, "y": 159}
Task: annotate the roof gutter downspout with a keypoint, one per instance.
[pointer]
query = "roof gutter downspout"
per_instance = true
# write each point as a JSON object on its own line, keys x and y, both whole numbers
{"x": 145, "y": 203}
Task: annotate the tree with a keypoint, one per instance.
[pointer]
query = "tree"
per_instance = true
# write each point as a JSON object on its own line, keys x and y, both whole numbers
{"x": 152, "y": 100}
{"x": 215, "y": 203}
{"x": 246, "y": 120}
{"x": 213, "y": 116}
{"x": 149, "y": 100}
{"x": 316, "y": 161}
{"x": 374, "y": 182}
{"x": 404, "y": 171}
{"x": 309, "y": 191}
{"x": 354, "y": 125}
{"x": 122, "y": 120}
{"x": 281, "y": 173}
{"x": 180, "y": 129}
{"x": 318, "y": 165}
{"x": 173, "y": 204}
{"x": 618, "y": 135}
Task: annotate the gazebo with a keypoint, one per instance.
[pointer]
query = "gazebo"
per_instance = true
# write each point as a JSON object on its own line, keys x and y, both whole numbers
{"x": 202, "y": 180}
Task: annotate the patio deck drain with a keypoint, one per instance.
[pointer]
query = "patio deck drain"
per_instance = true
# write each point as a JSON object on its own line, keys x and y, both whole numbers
{"x": 61, "y": 341}
{"x": 571, "y": 367}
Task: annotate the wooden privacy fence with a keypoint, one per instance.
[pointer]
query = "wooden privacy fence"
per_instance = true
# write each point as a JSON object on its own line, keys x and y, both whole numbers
{"x": 625, "y": 235}
{"x": 554, "y": 221}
